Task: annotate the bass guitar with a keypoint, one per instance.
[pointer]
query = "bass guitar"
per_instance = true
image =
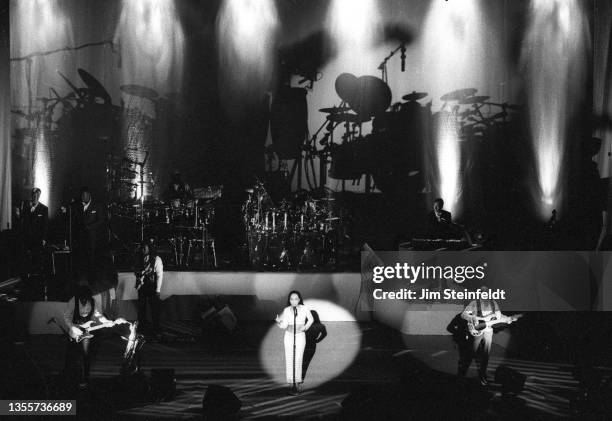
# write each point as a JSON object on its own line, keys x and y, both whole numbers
{"x": 477, "y": 325}
{"x": 88, "y": 327}
{"x": 142, "y": 275}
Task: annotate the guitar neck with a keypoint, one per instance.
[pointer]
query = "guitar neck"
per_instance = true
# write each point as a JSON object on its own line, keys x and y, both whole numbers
{"x": 96, "y": 327}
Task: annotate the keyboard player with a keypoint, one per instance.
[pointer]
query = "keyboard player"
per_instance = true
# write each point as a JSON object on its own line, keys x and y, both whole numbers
{"x": 440, "y": 224}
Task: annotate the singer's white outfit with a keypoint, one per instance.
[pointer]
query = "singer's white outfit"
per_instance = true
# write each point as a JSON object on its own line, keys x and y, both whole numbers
{"x": 286, "y": 323}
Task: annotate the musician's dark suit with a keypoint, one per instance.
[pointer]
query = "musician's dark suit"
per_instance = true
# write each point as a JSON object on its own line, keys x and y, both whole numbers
{"x": 441, "y": 227}
{"x": 34, "y": 226}
{"x": 91, "y": 236}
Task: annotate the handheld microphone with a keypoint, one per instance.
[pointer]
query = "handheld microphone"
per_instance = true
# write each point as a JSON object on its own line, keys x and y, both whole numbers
{"x": 295, "y": 311}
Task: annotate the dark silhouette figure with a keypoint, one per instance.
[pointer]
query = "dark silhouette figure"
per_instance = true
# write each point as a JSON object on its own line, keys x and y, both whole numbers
{"x": 314, "y": 335}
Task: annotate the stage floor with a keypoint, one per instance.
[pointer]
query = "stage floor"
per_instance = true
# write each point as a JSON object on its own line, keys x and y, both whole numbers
{"x": 251, "y": 364}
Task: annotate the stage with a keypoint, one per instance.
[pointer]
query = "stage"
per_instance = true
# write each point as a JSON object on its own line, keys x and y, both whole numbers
{"x": 388, "y": 355}
{"x": 251, "y": 364}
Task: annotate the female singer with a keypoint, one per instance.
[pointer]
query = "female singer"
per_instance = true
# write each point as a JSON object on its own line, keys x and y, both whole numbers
{"x": 295, "y": 320}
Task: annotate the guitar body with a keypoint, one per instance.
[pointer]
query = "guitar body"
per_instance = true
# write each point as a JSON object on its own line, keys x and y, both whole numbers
{"x": 88, "y": 327}
{"x": 141, "y": 277}
{"x": 477, "y": 326}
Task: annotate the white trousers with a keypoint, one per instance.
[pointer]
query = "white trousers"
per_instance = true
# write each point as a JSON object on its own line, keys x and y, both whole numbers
{"x": 300, "y": 344}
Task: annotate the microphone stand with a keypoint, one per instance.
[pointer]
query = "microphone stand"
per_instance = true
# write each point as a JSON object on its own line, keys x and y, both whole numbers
{"x": 383, "y": 65}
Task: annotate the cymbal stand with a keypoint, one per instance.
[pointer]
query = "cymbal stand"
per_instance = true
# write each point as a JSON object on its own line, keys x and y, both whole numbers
{"x": 141, "y": 183}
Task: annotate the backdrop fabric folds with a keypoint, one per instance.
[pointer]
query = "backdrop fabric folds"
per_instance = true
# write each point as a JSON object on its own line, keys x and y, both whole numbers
{"x": 5, "y": 120}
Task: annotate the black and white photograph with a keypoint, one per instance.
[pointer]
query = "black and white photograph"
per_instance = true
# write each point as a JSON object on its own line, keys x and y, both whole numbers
{"x": 306, "y": 210}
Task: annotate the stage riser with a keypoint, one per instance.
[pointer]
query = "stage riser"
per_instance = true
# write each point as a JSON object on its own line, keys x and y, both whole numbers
{"x": 253, "y": 296}
{"x": 188, "y": 307}
{"x": 432, "y": 321}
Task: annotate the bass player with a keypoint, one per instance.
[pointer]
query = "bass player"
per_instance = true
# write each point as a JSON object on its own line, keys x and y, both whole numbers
{"x": 480, "y": 317}
{"x": 82, "y": 311}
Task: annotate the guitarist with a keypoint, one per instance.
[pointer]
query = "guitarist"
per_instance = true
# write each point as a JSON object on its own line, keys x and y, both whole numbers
{"x": 82, "y": 309}
{"x": 149, "y": 277}
{"x": 479, "y": 346}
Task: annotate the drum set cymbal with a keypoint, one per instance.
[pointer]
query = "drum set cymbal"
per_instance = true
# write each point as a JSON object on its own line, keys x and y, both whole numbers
{"x": 348, "y": 118}
{"x": 94, "y": 85}
{"x": 506, "y": 106}
{"x": 414, "y": 96}
{"x": 458, "y": 95}
{"x": 335, "y": 110}
{"x": 140, "y": 91}
{"x": 474, "y": 100}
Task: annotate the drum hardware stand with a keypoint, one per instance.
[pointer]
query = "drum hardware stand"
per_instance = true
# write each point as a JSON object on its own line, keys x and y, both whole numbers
{"x": 326, "y": 142}
{"x": 141, "y": 184}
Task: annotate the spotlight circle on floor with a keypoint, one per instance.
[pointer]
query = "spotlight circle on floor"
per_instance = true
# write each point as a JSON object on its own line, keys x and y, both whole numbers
{"x": 332, "y": 355}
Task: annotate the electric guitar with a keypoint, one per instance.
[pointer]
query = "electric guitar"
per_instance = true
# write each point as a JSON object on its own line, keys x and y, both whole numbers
{"x": 140, "y": 276}
{"x": 477, "y": 325}
{"x": 87, "y": 328}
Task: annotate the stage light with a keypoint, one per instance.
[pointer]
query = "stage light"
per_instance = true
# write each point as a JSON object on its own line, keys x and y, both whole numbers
{"x": 151, "y": 43}
{"x": 150, "y": 40}
{"x": 246, "y": 31}
{"x": 42, "y": 173}
{"x": 334, "y": 354}
{"x": 454, "y": 56}
{"x": 555, "y": 55}
{"x": 39, "y": 26}
{"x": 353, "y": 24}
{"x": 448, "y": 162}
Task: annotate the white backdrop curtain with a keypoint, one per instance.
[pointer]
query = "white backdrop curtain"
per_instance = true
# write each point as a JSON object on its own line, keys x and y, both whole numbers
{"x": 602, "y": 83}
{"x": 5, "y": 129}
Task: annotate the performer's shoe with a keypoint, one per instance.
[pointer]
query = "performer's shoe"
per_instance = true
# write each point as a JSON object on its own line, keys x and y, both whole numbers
{"x": 294, "y": 391}
{"x": 484, "y": 381}
{"x": 83, "y": 385}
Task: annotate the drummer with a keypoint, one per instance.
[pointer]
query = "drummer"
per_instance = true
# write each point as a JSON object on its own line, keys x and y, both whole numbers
{"x": 178, "y": 189}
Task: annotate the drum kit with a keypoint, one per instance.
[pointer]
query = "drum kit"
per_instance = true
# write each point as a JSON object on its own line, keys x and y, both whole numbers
{"x": 301, "y": 233}
{"x": 180, "y": 229}
{"x": 368, "y": 98}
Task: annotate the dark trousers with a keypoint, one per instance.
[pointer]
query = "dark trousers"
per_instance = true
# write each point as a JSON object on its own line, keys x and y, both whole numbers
{"x": 148, "y": 295}
{"x": 82, "y": 354}
{"x": 479, "y": 347}
{"x": 87, "y": 255}
{"x": 33, "y": 257}
{"x": 79, "y": 354}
